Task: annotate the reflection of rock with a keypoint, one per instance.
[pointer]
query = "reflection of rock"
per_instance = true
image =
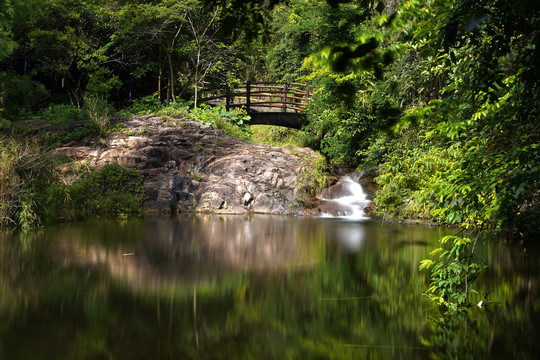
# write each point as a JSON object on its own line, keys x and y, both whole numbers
{"x": 192, "y": 167}
{"x": 196, "y": 248}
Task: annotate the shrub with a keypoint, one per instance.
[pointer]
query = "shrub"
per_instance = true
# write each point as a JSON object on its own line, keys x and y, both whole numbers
{"x": 179, "y": 109}
{"x": 61, "y": 114}
{"x": 98, "y": 111}
{"x": 25, "y": 169}
{"x": 21, "y": 96}
{"x": 112, "y": 190}
{"x": 143, "y": 106}
{"x": 231, "y": 122}
{"x": 278, "y": 136}
{"x": 312, "y": 178}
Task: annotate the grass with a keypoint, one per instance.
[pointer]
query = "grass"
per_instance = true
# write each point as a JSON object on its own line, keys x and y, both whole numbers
{"x": 25, "y": 169}
{"x": 278, "y": 136}
{"x": 313, "y": 177}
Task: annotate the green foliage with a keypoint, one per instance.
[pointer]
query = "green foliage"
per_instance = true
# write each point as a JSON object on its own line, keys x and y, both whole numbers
{"x": 152, "y": 105}
{"x": 347, "y": 108}
{"x": 231, "y": 122}
{"x": 20, "y": 95}
{"x": 175, "y": 109}
{"x": 80, "y": 48}
{"x": 143, "y": 106}
{"x": 453, "y": 271}
{"x": 112, "y": 190}
{"x": 25, "y": 170}
{"x": 98, "y": 111}
{"x": 305, "y": 27}
{"x": 7, "y": 45}
{"x": 101, "y": 83}
{"x": 313, "y": 177}
{"x": 278, "y": 136}
{"x": 465, "y": 151}
{"x": 61, "y": 114}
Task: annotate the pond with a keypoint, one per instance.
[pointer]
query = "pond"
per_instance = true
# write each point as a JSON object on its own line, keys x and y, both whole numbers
{"x": 249, "y": 287}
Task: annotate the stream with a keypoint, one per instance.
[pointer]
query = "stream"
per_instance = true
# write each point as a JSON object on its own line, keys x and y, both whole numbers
{"x": 260, "y": 287}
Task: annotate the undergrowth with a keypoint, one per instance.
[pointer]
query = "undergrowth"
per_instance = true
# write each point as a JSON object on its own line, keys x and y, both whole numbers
{"x": 25, "y": 169}
{"x": 112, "y": 190}
{"x": 312, "y": 179}
{"x": 31, "y": 195}
{"x": 278, "y": 136}
{"x": 232, "y": 122}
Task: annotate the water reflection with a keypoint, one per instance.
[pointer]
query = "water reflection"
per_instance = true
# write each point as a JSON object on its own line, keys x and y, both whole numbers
{"x": 189, "y": 249}
{"x": 245, "y": 287}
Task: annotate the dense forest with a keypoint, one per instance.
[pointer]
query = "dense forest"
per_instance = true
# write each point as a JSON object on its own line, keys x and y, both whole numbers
{"x": 439, "y": 98}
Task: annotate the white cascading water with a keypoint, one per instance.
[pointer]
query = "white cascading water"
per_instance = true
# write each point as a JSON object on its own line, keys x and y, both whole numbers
{"x": 350, "y": 203}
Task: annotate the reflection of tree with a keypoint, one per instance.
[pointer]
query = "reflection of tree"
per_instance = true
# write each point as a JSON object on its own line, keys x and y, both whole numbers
{"x": 362, "y": 305}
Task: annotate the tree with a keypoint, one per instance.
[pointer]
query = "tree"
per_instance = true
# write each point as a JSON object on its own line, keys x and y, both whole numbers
{"x": 7, "y": 45}
{"x": 205, "y": 55}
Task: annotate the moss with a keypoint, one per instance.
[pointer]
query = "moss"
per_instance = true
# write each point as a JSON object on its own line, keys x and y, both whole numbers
{"x": 313, "y": 177}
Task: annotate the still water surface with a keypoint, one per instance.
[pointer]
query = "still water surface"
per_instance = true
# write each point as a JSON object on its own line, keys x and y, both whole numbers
{"x": 258, "y": 287}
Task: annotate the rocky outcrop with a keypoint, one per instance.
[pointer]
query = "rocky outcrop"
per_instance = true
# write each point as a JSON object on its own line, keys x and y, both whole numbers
{"x": 189, "y": 166}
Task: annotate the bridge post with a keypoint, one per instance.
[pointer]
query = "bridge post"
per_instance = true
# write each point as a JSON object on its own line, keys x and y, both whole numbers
{"x": 306, "y": 95}
{"x": 284, "y": 100}
{"x": 227, "y": 98}
{"x": 248, "y": 96}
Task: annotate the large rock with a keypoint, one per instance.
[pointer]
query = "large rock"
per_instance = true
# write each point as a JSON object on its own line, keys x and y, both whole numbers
{"x": 189, "y": 166}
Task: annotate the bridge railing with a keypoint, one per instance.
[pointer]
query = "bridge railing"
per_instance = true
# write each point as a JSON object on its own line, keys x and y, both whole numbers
{"x": 264, "y": 96}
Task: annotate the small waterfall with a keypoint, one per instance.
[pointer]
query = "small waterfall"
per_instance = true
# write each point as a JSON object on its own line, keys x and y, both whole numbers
{"x": 346, "y": 199}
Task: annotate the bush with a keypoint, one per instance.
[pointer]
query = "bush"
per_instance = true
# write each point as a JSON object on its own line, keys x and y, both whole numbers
{"x": 312, "y": 179}
{"x": 20, "y": 96}
{"x": 232, "y": 122}
{"x": 61, "y": 114}
{"x": 25, "y": 169}
{"x": 179, "y": 109}
{"x": 112, "y": 190}
{"x": 98, "y": 111}
{"x": 278, "y": 136}
{"x": 143, "y": 106}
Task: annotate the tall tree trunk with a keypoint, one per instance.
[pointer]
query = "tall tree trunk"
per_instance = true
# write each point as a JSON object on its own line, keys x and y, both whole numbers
{"x": 197, "y": 78}
{"x": 159, "y": 76}
{"x": 171, "y": 79}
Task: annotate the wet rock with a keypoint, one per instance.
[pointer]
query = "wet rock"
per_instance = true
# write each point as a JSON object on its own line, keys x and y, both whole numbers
{"x": 335, "y": 191}
{"x": 333, "y": 209}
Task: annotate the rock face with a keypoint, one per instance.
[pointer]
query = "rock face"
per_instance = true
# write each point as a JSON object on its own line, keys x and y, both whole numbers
{"x": 189, "y": 166}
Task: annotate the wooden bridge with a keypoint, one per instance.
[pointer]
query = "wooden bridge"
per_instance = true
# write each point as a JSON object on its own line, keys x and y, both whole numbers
{"x": 267, "y": 103}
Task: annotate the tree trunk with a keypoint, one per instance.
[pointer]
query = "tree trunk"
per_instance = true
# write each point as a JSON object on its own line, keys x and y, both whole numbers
{"x": 159, "y": 76}
{"x": 171, "y": 79}
{"x": 197, "y": 76}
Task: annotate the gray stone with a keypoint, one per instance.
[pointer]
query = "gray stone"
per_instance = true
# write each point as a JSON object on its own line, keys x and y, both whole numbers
{"x": 233, "y": 177}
